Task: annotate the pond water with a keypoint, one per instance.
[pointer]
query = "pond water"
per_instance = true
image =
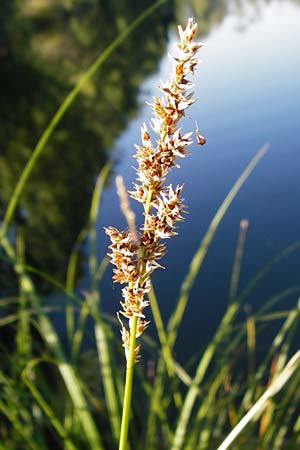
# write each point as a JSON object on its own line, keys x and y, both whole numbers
{"x": 248, "y": 87}
{"x": 249, "y": 93}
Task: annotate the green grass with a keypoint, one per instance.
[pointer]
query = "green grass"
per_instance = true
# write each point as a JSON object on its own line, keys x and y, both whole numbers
{"x": 46, "y": 395}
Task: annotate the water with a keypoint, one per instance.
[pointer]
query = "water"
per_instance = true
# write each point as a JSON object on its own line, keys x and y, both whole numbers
{"x": 249, "y": 93}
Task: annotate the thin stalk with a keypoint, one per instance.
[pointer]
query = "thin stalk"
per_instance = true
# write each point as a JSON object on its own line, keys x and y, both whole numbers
{"x": 70, "y": 283}
{"x": 104, "y": 355}
{"x": 23, "y": 338}
{"x": 131, "y": 356}
{"x": 201, "y": 252}
{"x": 17, "y": 426}
{"x": 186, "y": 287}
{"x": 261, "y": 403}
{"x": 235, "y": 276}
{"x": 69, "y": 445}
{"x": 128, "y": 386}
{"x": 251, "y": 343}
{"x": 192, "y": 393}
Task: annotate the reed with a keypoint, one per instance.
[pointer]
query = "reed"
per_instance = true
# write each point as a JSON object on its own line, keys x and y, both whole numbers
{"x": 135, "y": 255}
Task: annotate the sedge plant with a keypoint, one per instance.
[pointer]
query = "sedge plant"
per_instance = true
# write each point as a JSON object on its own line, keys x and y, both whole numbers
{"x": 135, "y": 255}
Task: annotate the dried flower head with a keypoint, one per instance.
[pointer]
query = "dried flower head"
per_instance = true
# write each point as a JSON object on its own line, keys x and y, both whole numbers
{"x": 135, "y": 255}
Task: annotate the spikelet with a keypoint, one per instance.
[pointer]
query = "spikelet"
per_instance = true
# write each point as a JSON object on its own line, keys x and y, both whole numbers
{"x": 135, "y": 255}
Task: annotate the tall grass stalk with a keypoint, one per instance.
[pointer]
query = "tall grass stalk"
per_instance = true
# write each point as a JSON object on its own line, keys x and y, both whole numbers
{"x": 135, "y": 255}
{"x": 185, "y": 289}
{"x": 281, "y": 379}
{"x": 236, "y": 268}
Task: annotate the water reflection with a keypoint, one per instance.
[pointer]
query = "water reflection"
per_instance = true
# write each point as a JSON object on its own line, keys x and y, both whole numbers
{"x": 44, "y": 47}
{"x": 249, "y": 93}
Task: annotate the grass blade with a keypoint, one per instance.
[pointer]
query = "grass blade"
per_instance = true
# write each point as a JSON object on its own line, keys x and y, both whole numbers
{"x": 211, "y": 348}
{"x": 200, "y": 373}
{"x": 70, "y": 282}
{"x": 18, "y": 426}
{"x": 187, "y": 284}
{"x": 200, "y": 254}
{"x": 257, "y": 408}
{"x": 235, "y": 276}
{"x": 93, "y": 299}
{"x": 69, "y": 445}
{"x": 66, "y": 370}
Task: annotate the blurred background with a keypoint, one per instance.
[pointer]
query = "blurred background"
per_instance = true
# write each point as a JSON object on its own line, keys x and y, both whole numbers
{"x": 248, "y": 90}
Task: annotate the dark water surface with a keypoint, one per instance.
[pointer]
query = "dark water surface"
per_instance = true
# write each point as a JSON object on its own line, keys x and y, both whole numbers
{"x": 249, "y": 93}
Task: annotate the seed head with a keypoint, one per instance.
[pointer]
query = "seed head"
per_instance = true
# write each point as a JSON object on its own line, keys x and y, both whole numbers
{"x": 135, "y": 255}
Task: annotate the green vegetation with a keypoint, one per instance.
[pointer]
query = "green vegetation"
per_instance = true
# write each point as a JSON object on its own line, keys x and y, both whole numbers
{"x": 55, "y": 393}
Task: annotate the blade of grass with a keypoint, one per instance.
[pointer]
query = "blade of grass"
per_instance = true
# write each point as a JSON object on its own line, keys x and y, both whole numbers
{"x": 288, "y": 409}
{"x": 211, "y": 348}
{"x": 23, "y": 338}
{"x": 5, "y": 301}
{"x": 94, "y": 210}
{"x": 290, "y": 321}
{"x": 73, "y": 261}
{"x": 281, "y": 358}
{"x": 106, "y": 368}
{"x": 44, "y": 405}
{"x": 235, "y": 276}
{"x": 91, "y": 230}
{"x": 251, "y": 343}
{"x": 278, "y": 315}
{"x": 190, "y": 398}
{"x": 70, "y": 282}
{"x": 186, "y": 287}
{"x": 273, "y": 389}
{"x": 67, "y": 372}
{"x": 200, "y": 254}
{"x": 283, "y": 338}
{"x": 61, "y": 112}
{"x": 18, "y": 426}
{"x": 207, "y": 405}
{"x": 267, "y": 304}
{"x": 78, "y": 334}
{"x": 268, "y": 412}
{"x": 93, "y": 300}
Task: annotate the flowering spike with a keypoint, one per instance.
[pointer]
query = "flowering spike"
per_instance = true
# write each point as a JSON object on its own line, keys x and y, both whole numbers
{"x": 135, "y": 257}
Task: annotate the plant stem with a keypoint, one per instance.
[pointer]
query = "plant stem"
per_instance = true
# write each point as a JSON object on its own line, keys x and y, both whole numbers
{"x": 128, "y": 386}
{"x": 131, "y": 355}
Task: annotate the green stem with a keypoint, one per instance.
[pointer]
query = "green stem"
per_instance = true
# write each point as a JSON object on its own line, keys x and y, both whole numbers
{"x": 130, "y": 358}
{"x": 128, "y": 386}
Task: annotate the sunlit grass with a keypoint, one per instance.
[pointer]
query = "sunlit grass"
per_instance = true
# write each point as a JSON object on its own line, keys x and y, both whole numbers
{"x": 47, "y": 396}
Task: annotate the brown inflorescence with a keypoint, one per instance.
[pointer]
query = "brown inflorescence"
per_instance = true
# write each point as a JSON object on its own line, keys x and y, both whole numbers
{"x": 136, "y": 255}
